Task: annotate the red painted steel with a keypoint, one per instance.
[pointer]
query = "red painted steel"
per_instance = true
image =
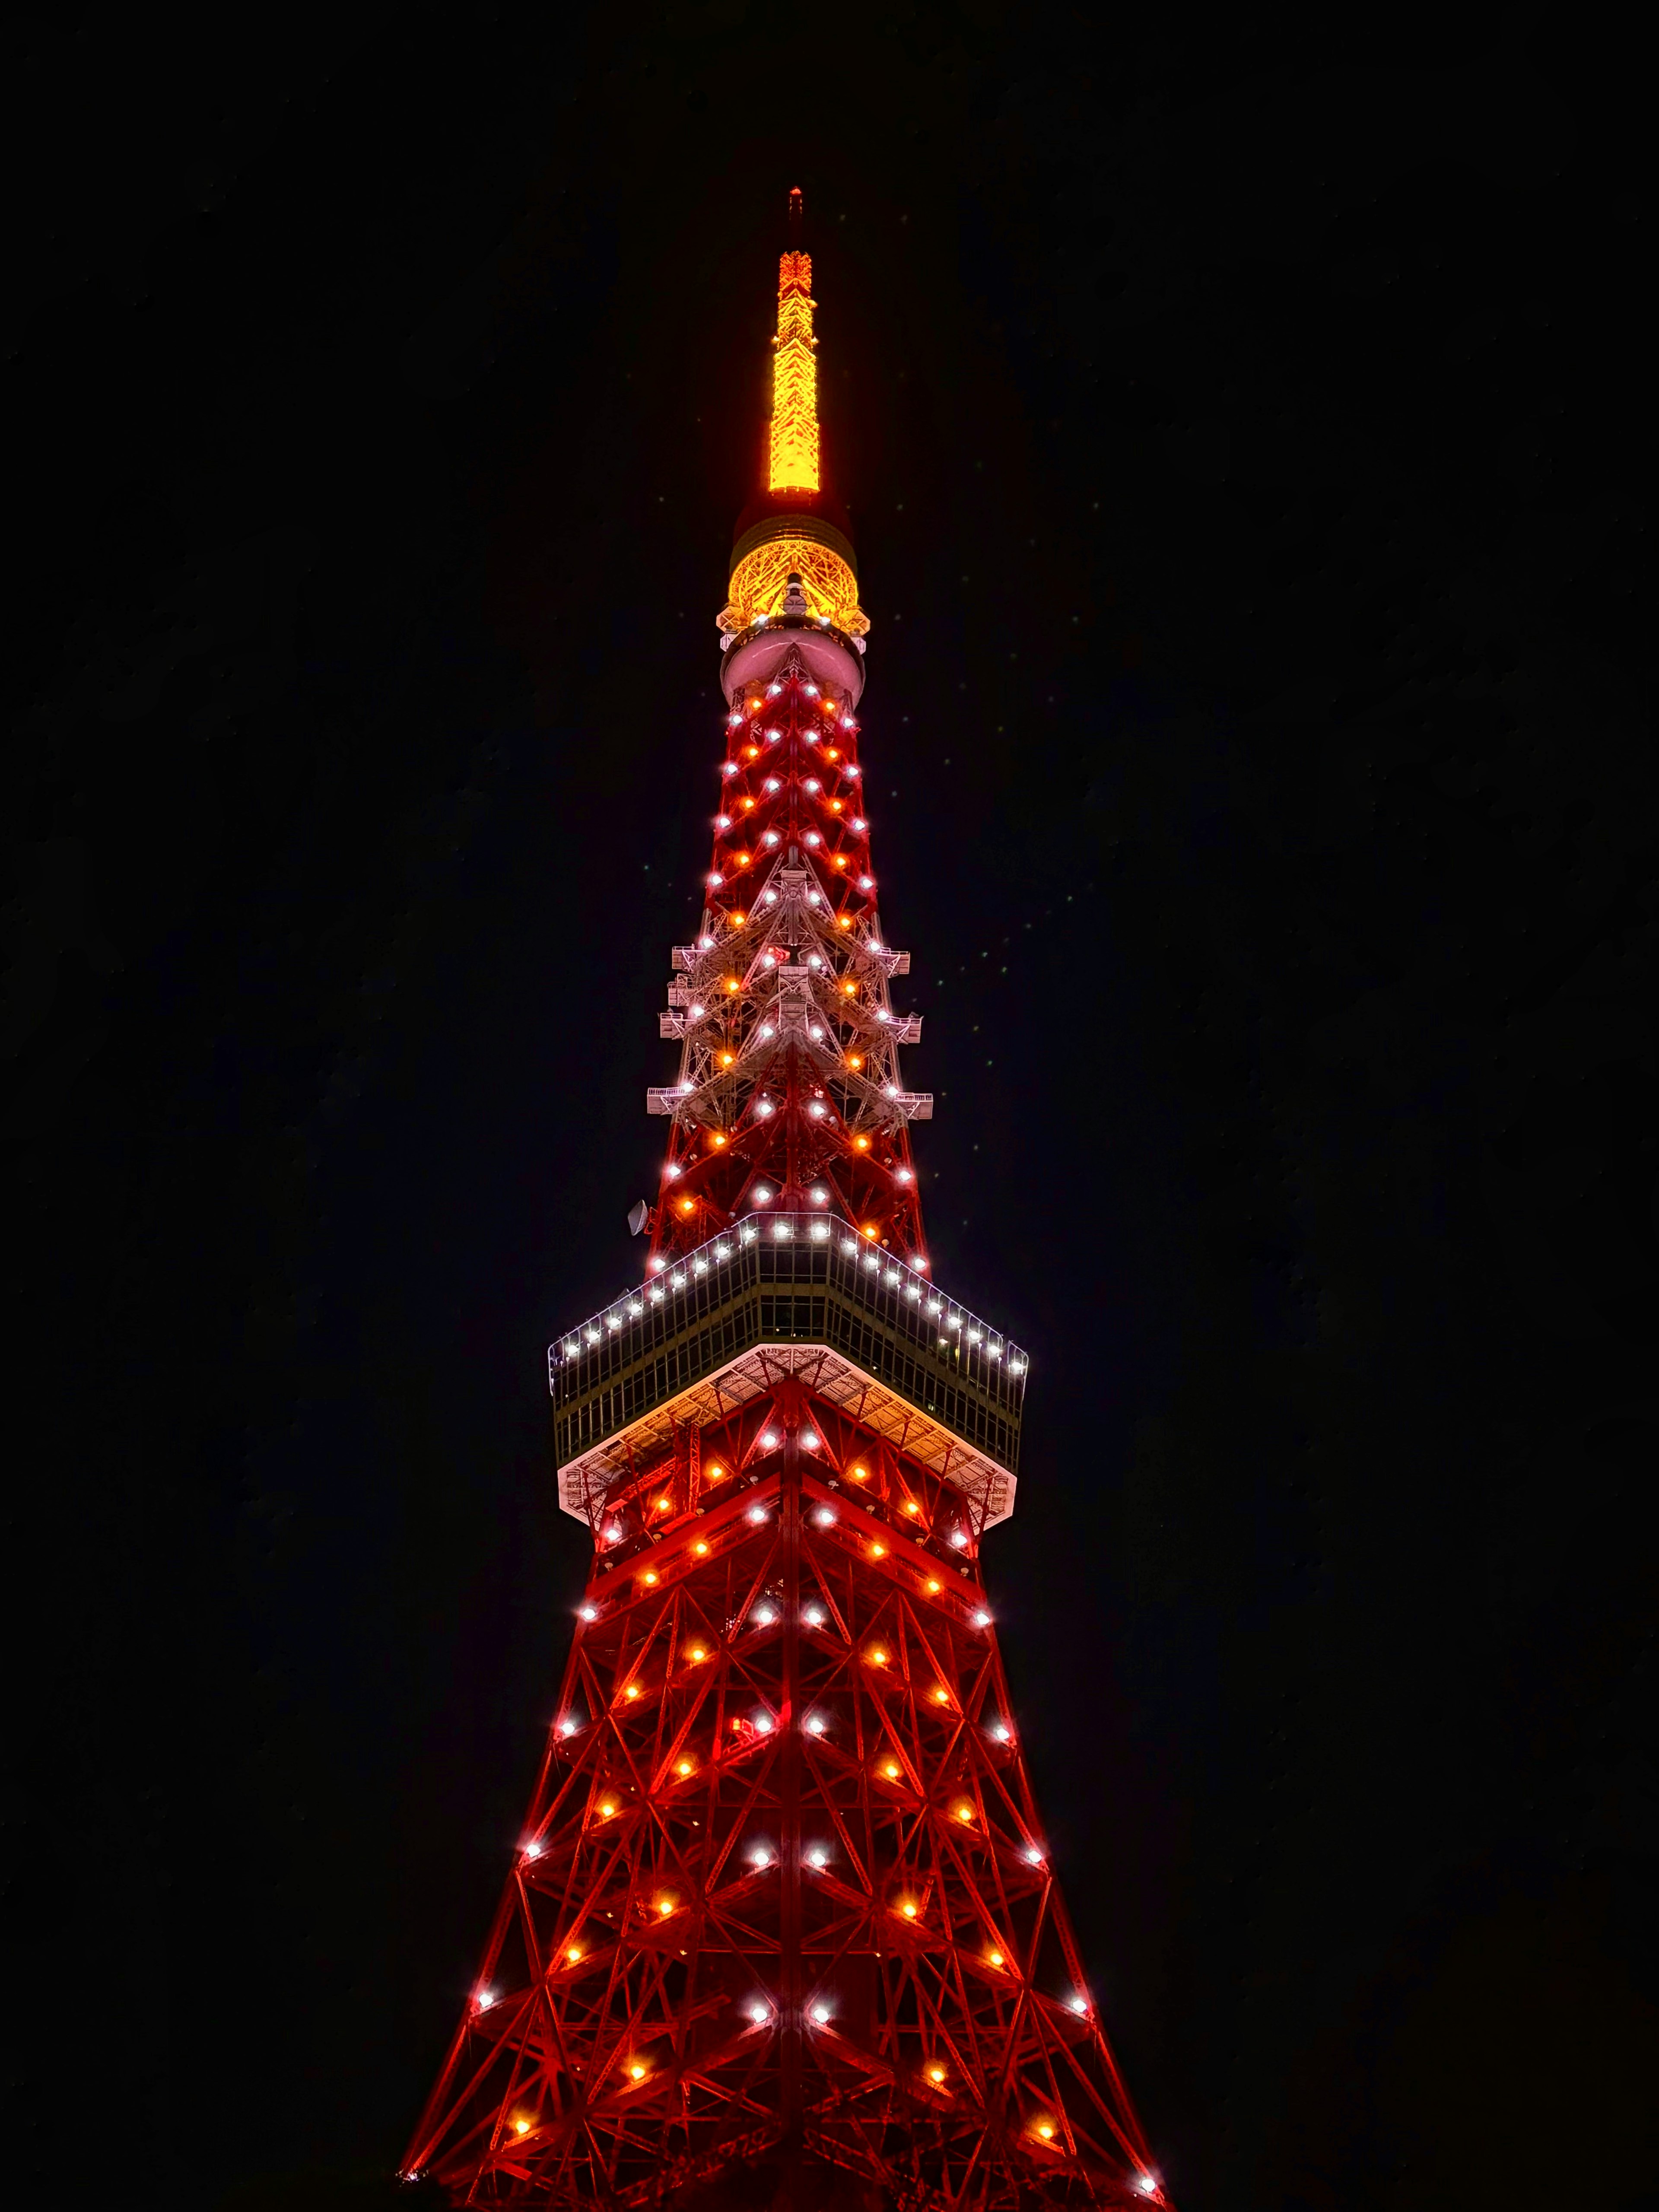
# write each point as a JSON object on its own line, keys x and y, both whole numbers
{"x": 782, "y": 1928}
{"x": 781, "y": 1901}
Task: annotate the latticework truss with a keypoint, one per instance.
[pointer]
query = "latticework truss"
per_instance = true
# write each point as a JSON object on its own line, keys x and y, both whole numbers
{"x": 793, "y": 459}
{"x": 781, "y": 1931}
{"x": 782, "y": 1893}
{"x": 790, "y": 1091}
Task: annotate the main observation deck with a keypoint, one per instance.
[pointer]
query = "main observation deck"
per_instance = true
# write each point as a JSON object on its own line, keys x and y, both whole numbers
{"x": 802, "y": 1289}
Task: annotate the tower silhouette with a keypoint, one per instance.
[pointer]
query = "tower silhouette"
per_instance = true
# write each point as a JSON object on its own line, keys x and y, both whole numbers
{"x": 782, "y": 1930}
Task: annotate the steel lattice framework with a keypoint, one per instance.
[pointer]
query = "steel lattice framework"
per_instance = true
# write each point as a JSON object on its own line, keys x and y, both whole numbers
{"x": 781, "y": 1927}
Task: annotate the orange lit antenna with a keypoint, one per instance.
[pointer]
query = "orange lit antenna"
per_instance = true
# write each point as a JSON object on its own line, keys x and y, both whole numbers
{"x": 794, "y": 458}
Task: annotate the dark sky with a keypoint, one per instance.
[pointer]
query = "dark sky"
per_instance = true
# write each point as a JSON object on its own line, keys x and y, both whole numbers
{"x": 1240, "y": 426}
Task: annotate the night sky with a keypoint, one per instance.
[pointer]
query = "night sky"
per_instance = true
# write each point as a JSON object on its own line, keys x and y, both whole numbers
{"x": 1240, "y": 429}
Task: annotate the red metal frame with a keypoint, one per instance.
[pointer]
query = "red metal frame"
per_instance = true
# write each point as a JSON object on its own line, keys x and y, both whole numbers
{"x": 784, "y": 1782}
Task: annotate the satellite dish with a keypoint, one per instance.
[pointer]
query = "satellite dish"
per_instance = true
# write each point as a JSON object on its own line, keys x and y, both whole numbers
{"x": 637, "y": 1217}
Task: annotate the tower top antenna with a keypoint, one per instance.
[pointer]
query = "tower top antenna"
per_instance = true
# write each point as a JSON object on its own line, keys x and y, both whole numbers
{"x": 796, "y": 209}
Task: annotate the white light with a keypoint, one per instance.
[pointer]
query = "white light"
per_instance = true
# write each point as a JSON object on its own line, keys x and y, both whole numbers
{"x": 657, "y": 1263}
{"x": 820, "y": 1232}
{"x": 911, "y": 1292}
{"x": 700, "y": 1267}
{"x": 714, "y": 883}
{"x": 1033, "y": 1855}
{"x": 572, "y": 1349}
{"x": 974, "y": 1335}
{"x": 1080, "y": 2003}
{"x": 955, "y": 1322}
{"x": 761, "y": 1855}
{"x": 766, "y": 1029}
{"x": 771, "y": 783}
{"x": 809, "y": 1442}
{"x": 849, "y": 1250}
{"x": 763, "y": 1109}
{"x": 871, "y": 1260}
{"x": 814, "y": 1724}
{"x": 958, "y": 1539}
{"x": 1146, "y": 2185}
{"x": 817, "y": 1037}
{"x": 932, "y": 1305}
{"x": 812, "y": 898}
{"x": 613, "y": 1322}
{"x": 484, "y": 1999}
{"x": 590, "y": 1612}
{"x": 768, "y": 1440}
{"x": 889, "y": 1091}
{"x": 760, "y": 2014}
{"x": 812, "y": 690}
{"x": 814, "y": 1619}
{"x": 592, "y": 1336}
{"x": 821, "y": 2016}
{"x": 882, "y": 1014}
{"x": 982, "y": 1619}
{"x": 1015, "y": 1366}
{"x": 770, "y": 838}
{"x": 722, "y": 821}
{"x": 762, "y": 1195}
{"x": 762, "y": 1727}
{"x": 875, "y": 945}
{"x": 765, "y": 1616}
{"x": 769, "y": 898}
{"x": 1000, "y": 1732}
{"x": 758, "y": 1514}
{"x": 657, "y": 1293}
{"x": 866, "y": 883}
{"x": 818, "y": 1858}
{"x": 891, "y": 1277}
{"x": 823, "y": 1518}
{"x": 811, "y": 838}
{"x": 811, "y": 783}
{"x": 722, "y": 1251}
{"x": 859, "y": 823}
{"x": 676, "y": 1281}
{"x": 782, "y": 1232}
{"x": 747, "y": 1236}
{"x": 814, "y": 961}
{"x": 635, "y": 1308}
{"x": 533, "y": 1849}
{"x": 772, "y": 692}
{"x": 567, "y": 1727}
{"x": 820, "y": 1196}
{"x": 705, "y": 943}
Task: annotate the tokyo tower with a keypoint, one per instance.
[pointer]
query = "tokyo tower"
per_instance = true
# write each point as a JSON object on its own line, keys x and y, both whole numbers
{"x": 782, "y": 1928}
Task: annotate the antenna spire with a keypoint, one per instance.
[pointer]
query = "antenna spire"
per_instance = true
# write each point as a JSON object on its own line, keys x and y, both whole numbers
{"x": 796, "y": 209}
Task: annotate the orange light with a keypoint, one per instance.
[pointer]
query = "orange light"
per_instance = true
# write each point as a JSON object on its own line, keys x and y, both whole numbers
{"x": 855, "y": 1059}
{"x": 521, "y": 2127}
{"x": 751, "y": 752}
{"x": 714, "y": 1471}
{"x": 993, "y": 1957}
{"x": 731, "y": 983}
{"x": 879, "y": 1551}
{"x": 685, "y": 1205}
{"x": 743, "y": 859}
{"x": 717, "y": 1140}
{"x": 663, "y": 1504}
{"x": 860, "y": 1474}
{"x": 573, "y": 1956}
{"x": 891, "y": 1770}
{"x": 964, "y": 1813}
{"x": 877, "y": 1656}
{"x": 650, "y": 1575}
{"x": 840, "y": 860}
{"x": 793, "y": 459}
{"x": 933, "y": 1587}
{"x": 834, "y": 806}
{"x": 936, "y": 2074}
{"x": 911, "y": 1506}
{"x": 632, "y": 1691}
{"x": 843, "y": 921}
{"x": 636, "y": 2073}
{"x": 726, "y": 1059}
{"x": 698, "y": 1655}
{"x": 665, "y": 1906}
{"x": 607, "y": 1810}
{"x": 701, "y": 1548}
{"x": 849, "y": 990}
{"x": 832, "y": 752}
{"x": 748, "y": 805}
{"x": 685, "y": 1768}
{"x": 737, "y": 919}
{"x": 909, "y": 1912}
{"x": 941, "y": 1697}
{"x": 1046, "y": 2130}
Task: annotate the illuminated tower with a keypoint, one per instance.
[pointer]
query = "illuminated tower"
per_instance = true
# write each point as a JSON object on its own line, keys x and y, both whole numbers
{"x": 781, "y": 1927}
